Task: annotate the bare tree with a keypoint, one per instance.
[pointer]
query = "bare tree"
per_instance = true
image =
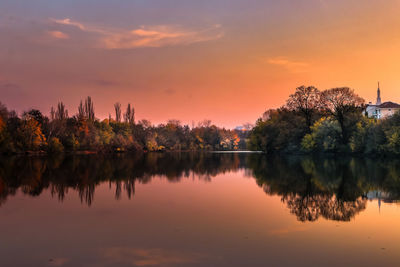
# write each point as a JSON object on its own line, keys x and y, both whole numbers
{"x": 129, "y": 115}
{"x": 307, "y": 102}
{"x": 52, "y": 113}
{"x": 81, "y": 110}
{"x": 117, "y": 107}
{"x": 85, "y": 111}
{"x": 89, "y": 109}
{"x": 340, "y": 103}
{"x": 62, "y": 112}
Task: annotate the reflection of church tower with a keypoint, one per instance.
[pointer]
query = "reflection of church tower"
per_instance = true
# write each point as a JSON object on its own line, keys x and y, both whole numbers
{"x": 378, "y": 99}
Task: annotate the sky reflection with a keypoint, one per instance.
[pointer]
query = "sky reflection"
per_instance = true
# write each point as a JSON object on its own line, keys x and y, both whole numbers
{"x": 176, "y": 217}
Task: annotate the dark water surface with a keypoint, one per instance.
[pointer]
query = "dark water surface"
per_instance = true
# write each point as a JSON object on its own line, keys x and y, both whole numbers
{"x": 208, "y": 209}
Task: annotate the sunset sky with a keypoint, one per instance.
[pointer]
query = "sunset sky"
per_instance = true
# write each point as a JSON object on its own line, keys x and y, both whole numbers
{"x": 227, "y": 61}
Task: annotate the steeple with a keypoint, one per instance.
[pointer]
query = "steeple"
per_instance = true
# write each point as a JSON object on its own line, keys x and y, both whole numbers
{"x": 378, "y": 99}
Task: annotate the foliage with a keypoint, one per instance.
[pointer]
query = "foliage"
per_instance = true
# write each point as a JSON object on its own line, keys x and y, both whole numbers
{"x": 83, "y": 132}
{"x": 330, "y": 121}
{"x": 55, "y": 145}
{"x": 324, "y": 137}
{"x": 307, "y": 102}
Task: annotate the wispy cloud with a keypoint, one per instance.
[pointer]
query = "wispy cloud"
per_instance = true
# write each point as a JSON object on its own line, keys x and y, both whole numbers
{"x": 70, "y": 23}
{"x": 145, "y": 36}
{"x": 58, "y": 35}
{"x": 291, "y": 65}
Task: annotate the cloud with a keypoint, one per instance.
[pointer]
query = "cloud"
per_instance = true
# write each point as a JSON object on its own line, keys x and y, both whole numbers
{"x": 58, "y": 35}
{"x": 158, "y": 36}
{"x": 145, "y": 36}
{"x": 293, "y": 66}
{"x": 70, "y": 23}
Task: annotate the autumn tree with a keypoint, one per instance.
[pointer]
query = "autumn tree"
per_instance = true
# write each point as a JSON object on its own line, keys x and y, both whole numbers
{"x": 34, "y": 114}
{"x": 343, "y": 105}
{"x": 31, "y": 136}
{"x": 307, "y": 102}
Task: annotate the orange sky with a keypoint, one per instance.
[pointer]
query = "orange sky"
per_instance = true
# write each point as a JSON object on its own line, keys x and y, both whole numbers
{"x": 227, "y": 61}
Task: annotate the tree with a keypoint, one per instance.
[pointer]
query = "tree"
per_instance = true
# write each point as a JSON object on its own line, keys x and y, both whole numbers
{"x": 324, "y": 136}
{"x": 3, "y": 111}
{"x": 277, "y": 130}
{"x": 34, "y": 114}
{"x": 117, "y": 107}
{"x": 345, "y": 106}
{"x": 129, "y": 114}
{"x": 31, "y": 136}
{"x": 307, "y": 102}
{"x": 205, "y": 123}
{"x": 89, "y": 109}
{"x": 62, "y": 112}
{"x": 55, "y": 146}
{"x": 145, "y": 123}
{"x": 86, "y": 111}
{"x": 81, "y": 111}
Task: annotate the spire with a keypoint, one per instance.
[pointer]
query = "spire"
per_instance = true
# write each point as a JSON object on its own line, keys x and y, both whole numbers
{"x": 378, "y": 99}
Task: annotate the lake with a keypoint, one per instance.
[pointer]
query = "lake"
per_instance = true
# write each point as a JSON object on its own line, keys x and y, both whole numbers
{"x": 199, "y": 209}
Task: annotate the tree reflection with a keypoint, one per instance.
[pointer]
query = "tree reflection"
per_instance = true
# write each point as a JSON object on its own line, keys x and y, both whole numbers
{"x": 311, "y": 188}
{"x": 335, "y": 189}
{"x": 32, "y": 175}
{"x": 310, "y": 208}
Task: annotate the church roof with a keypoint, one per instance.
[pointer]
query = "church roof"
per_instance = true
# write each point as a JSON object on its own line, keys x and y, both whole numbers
{"x": 389, "y": 105}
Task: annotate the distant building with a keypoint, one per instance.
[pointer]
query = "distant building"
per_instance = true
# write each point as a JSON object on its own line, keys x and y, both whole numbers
{"x": 381, "y": 110}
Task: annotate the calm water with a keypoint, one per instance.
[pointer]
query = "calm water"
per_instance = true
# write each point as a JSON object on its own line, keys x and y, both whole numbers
{"x": 199, "y": 210}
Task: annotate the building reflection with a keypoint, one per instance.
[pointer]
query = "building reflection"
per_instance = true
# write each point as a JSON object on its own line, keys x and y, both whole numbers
{"x": 311, "y": 188}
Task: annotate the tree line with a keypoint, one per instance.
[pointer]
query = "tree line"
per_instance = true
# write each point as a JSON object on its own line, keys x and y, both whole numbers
{"x": 329, "y": 121}
{"x": 33, "y": 132}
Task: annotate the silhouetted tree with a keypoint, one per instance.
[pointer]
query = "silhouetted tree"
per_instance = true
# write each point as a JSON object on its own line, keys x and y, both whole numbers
{"x": 343, "y": 104}
{"x": 129, "y": 114}
{"x": 307, "y": 102}
{"x": 117, "y": 107}
{"x": 89, "y": 109}
{"x": 62, "y": 112}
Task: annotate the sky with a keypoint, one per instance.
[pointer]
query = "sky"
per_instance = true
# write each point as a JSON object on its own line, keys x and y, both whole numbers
{"x": 227, "y": 61}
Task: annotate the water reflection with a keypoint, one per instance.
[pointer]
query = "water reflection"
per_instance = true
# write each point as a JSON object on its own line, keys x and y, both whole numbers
{"x": 335, "y": 189}
{"x": 83, "y": 173}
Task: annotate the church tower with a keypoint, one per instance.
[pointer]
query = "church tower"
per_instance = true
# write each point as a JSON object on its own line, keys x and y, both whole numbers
{"x": 378, "y": 99}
